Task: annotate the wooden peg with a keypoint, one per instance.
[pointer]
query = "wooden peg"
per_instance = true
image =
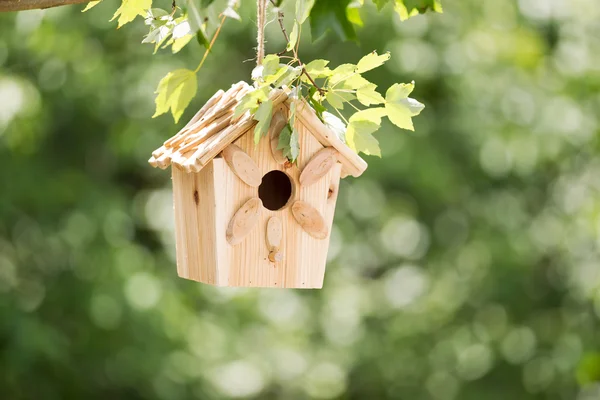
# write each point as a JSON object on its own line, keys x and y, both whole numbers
{"x": 242, "y": 165}
{"x": 278, "y": 121}
{"x": 274, "y": 234}
{"x": 318, "y": 166}
{"x": 243, "y": 221}
{"x": 310, "y": 219}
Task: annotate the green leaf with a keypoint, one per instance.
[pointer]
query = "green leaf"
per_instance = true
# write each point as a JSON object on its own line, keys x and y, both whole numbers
{"x": 202, "y": 39}
{"x": 367, "y": 95}
{"x": 359, "y": 135}
{"x": 251, "y": 101}
{"x": 269, "y": 79}
{"x": 293, "y": 37}
{"x": 288, "y": 143}
{"x": 341, "y": 73}
{"x": 130, "y": 9}
{"x": 284, "y": 139}
{"x": 370, "y": 61}
{"x": 353, "y": 13}
{"x": 401, "y": 108}
{"x": 293, "y": 95}
{"x": 158, "y": 36}
{"x": 381, "y": 3}
{"x": 205, "y": 3}
{"x": 294, "y": 146}
{"x": 355, "y": 81}
{"x": 270, "y": 64}
{"x": 180, "y": 43}
{"x": 422, "y": 5}
{"x": 316, "y": 104}
{"x": 335, "y": 100}
{"x": 181, "y": 28}
{"x": 318, "y": 69}
{"x": 155, "y": 15}
{"x": 303, "y": 8}
{"x": 263, "y": 115}
{"x": 291, "y": 74}
{"x": 90, "y": 5}
{"x": 175, "y": 91}
{"x": 331, "y": 15}
{"x": 163, "y": 25}
{"x": 410, "y": 8}
{"x": 283, "y": 75}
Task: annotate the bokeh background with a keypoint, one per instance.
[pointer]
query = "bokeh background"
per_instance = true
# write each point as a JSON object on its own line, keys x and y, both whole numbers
{"x": 463, "y": 264}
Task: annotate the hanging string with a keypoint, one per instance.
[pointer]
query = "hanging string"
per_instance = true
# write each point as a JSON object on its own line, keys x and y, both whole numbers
{"x": 261, "y": 11}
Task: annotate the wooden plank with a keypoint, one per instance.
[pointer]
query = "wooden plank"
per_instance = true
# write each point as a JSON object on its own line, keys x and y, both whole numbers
{"x": 243, "y": 221}
{"x": 274, "y": 234}
{"x": 201, "y": 113}
{"x": 194, "y": 204}
{"x": 225, "y": 104}
{"x": 310, "y": 219}
{"x": 227, "y": 136}
{"x": 318, "y": 166}
{"x": 242, "y": 165}
{"x": 214, "y": 127}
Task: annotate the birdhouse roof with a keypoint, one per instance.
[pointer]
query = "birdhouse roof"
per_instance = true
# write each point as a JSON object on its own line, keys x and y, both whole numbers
{"x": 213, "y": 128}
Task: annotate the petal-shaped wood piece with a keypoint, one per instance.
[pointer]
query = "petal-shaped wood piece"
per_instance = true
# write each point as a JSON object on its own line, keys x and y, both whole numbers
{"x": 278, "y": 121}
{"x": 274, "y": 235}
{"x": 318, "y": 166}
{"x": 243, "y": 221}
{"x": 310, "y": 219}
{"x": 242, "y": 165}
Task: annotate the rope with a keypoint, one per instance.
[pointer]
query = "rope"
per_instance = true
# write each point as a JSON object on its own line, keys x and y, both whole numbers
{"x": 261, "y": 9}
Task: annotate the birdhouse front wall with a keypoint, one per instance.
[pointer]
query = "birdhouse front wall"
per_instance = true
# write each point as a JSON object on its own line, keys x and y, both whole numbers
{"x": 206, "y": 201}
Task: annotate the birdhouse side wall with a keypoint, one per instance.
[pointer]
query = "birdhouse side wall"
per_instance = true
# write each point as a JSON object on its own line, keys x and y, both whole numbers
{"x": 194, "y": 207}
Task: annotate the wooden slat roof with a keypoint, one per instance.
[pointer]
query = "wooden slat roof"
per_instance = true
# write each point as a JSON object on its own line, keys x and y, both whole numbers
{"x": 212, "y": 129}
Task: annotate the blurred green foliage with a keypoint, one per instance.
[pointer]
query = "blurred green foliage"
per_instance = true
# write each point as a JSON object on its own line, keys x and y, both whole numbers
{"x": 463, "y": 264}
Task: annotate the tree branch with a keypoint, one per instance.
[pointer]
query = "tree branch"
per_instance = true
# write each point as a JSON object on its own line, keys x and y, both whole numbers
{"x": 20, "y": 5}
{"x": 280, "y": 17}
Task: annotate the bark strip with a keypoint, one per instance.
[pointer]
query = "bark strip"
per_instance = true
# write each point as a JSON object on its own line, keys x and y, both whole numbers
{"x": 20, "y": 5}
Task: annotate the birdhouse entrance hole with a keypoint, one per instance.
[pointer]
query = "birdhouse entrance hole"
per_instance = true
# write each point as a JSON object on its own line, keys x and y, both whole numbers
{"x": 275, "y": 190}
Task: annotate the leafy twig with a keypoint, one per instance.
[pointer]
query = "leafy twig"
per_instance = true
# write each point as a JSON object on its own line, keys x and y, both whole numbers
{"x": 280, "y": 17}
{"x": 214, "y": 38}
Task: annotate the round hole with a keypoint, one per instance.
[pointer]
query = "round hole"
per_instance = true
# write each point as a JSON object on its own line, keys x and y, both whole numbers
{"x": 275, "y": 190}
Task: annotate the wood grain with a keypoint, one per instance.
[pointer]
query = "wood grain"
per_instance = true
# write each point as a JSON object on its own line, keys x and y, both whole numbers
{"x": 20, "y": 5}
{"x": 274, "y": 235}
{"x": 352, "y": 163}
{"x": 203, "y": 253}
{"x": 243, "y": 221}
{"x": 318, "y": 166}
{"x": 242, "y": 165}
{"x": 310, "y": 219}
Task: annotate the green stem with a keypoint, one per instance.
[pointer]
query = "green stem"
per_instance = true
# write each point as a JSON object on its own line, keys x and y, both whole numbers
{"x": 341, "y": 116}
{"x": 212, "y": 42}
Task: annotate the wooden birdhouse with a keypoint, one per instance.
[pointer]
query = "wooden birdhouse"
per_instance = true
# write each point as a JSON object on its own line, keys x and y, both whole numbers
{"x": 244, "y": 214}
